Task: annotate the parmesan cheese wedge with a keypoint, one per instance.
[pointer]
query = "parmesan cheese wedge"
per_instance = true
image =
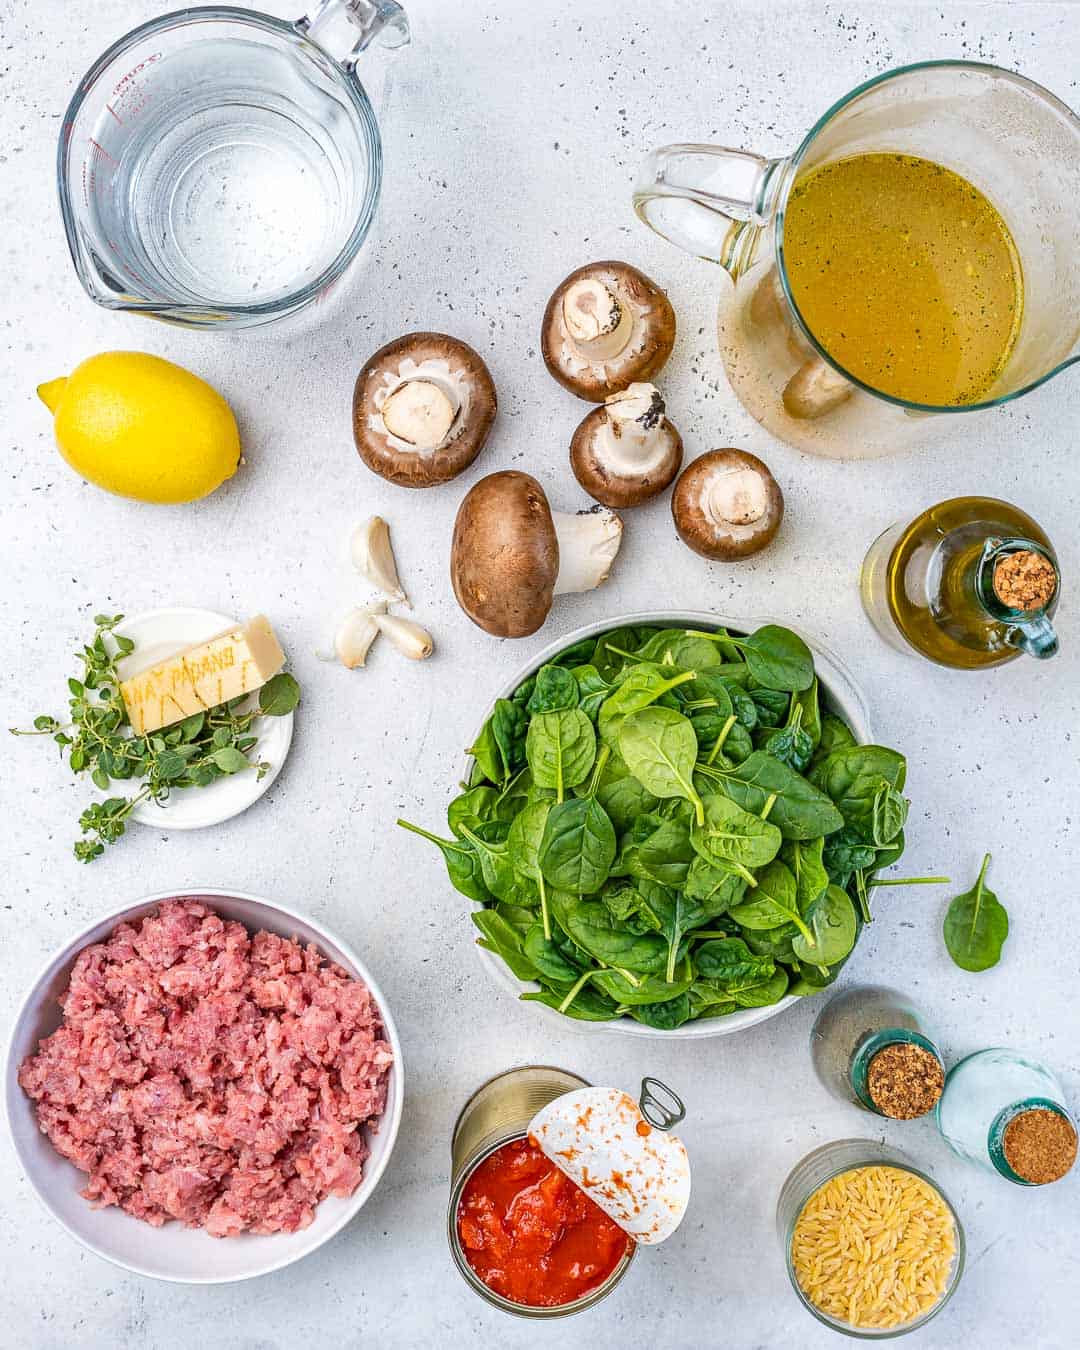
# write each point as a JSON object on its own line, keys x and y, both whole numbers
{"x": 235, "y": 662}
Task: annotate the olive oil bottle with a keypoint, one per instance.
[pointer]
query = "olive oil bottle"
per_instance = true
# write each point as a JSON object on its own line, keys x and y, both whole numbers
{"x": 970, "y": 583}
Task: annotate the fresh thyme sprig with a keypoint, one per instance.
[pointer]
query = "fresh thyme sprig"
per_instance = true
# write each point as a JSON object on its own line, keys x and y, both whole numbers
{"x": 193, "y": 753}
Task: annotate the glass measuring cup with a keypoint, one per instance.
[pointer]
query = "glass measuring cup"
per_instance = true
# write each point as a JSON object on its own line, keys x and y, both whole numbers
{"x": 218, "y": 167}
{"x": 1005, "y": 134}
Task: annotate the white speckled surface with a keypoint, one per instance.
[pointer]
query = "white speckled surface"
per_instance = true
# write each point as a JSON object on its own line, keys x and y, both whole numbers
{"x": 512, "y": 132}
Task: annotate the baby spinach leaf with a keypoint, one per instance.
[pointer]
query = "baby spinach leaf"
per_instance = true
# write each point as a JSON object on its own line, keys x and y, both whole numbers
{"x": 595, "y": 931}
{"x": 561, "y": 749}
{"x": 592, "y": 690}
{"x": 613, "y": 650}
{"x": 772, "y": 705}
{"x": 635, "y": 990}
{"x": 621, "y": 795}
{"x": 809, "y": 701}
{"x": 462, "y": 863}
{"x": 578, "y": 846}
{"x": 854, "y": 778}
{"x": 555, "y": 689}
{"x": 832, "y": 921}
{"x": 664, "y": 1016}
{"x": 791, "y": 745}
{"x": 801, "y": 811}
{"x": 505, "y": 941}
{"x": 577, "y": 655}
{"x": 636, "y": 688}
{"x": 655, "y": 848}
{"x": 805, "y": 859}
{"x": 976, "y": 925}
{"x": 774, "y": 942}
{"x": 716, "y": 888}
{"x": 625, "y": 903}
{"x": 723, "y": 960}
{"x": 478, "y": 806}
{"x": 587, "y": 1005}
{"x": 707, "y": 1000}
{"x": 733, "y": 838}
{"x": 777, "y": 658}
{"x": 835, "y": 735}
{"x": 774, "y": 901}
{"x": 660, "y": 749}
{"x": 551, "y": 962}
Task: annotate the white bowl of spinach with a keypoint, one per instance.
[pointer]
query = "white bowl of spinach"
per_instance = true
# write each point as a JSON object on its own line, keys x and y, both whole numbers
{"x": 672, "y": 824}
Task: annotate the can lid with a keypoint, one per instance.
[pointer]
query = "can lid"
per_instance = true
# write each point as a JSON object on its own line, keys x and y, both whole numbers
{"x": 621, "y": 1154}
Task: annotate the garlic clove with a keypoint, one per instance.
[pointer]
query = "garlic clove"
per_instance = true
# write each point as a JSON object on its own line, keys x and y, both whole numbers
{"x": 355, "y": 634}
{"x": 408, "y": 637}
{"x": 373, "y": 556}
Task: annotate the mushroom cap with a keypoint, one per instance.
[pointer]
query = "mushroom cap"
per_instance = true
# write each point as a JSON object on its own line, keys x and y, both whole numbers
{"x": 436, "y": 378}
{"x": 624, "y": 461}
{"x": 727, "y": 505}
{"x": 504, "y": 559}
{"x": 650, "y": 341}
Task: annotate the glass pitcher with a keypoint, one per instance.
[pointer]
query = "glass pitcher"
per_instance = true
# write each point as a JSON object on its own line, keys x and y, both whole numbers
{"x": 1010, "y": 138}
{"x": 218, "y": 167}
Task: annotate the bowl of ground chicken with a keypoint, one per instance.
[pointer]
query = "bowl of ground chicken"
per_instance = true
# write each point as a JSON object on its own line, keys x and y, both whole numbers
{"x": 204, "y": 1087}
{"x": 874, "y": 1249}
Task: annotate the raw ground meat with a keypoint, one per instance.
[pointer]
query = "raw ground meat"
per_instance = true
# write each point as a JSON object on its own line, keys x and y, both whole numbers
{"x": 209, "y": 1076}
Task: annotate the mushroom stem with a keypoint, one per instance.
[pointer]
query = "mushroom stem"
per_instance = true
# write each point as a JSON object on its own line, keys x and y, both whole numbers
{"x": 735, "y": 496}
{"x": 631, "y": 433}
{"x": 598, "y": 325}
{"x": 588, "y": 545}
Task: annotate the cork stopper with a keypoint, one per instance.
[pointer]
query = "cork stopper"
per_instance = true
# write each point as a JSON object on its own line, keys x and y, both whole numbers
{"x": 1024, "y": 580}
{"x": 1040, "y": 1145}
{"x": 904, "y": 1081}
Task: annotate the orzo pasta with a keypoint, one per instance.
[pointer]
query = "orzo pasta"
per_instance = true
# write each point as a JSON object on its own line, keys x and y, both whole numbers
{"x": 874, "y": 1247}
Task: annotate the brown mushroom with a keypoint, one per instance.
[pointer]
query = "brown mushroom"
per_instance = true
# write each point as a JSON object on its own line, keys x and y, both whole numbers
{"x": 422, "y": 409}
{"x": 512, "y": 554}
{"x": 627, "y": 451}
{"x": 815, "y": 389}
{"x": 727, "y": 505}
{"x": 606, "y": 326}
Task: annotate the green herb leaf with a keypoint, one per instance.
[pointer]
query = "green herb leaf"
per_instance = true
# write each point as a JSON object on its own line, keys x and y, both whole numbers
{"x": 279, "y": 695}
{"x": 976, "y": 925}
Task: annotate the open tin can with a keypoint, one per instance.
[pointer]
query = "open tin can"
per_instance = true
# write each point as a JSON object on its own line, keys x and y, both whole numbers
{"x": 512, "y": 1107}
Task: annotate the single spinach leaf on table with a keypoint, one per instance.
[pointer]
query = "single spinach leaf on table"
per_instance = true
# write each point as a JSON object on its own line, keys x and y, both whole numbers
{"x": 561, "y": 749}
{"x": 660, "y": 750}
{"x": 733, "y": 838}
{"x": 976, "y": 925}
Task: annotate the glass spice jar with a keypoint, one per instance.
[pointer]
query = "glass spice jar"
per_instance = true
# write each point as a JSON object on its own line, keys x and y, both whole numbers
{"x": 870, "y": 1045}
{"x": 1006, "y": 1113}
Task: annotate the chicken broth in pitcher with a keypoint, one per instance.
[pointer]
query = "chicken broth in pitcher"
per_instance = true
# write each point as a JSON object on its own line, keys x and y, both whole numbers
{"x": 906, "y": 274}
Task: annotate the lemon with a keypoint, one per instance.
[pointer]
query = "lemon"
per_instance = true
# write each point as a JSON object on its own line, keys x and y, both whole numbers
{"x": 142, "y": 427}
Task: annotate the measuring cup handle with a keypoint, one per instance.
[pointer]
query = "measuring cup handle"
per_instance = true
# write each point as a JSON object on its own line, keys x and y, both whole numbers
{"x": 378, "y": 20}
{"x": 708, "y": 199}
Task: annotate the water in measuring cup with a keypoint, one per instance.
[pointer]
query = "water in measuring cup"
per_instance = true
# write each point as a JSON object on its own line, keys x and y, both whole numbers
{"x": 237, "y": 177}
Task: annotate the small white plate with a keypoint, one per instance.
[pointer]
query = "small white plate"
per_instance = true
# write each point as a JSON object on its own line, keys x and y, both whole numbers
{"x": 159, "y": 634}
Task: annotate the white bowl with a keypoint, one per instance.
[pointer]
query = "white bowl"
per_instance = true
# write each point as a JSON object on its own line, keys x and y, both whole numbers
{"x": 839, "y": 694}
{"x": 173, "y": 1252}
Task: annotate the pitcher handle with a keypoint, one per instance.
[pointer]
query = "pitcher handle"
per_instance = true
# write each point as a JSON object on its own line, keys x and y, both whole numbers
{"x": 378, "y": 20}
{"x": 710, "y": 200}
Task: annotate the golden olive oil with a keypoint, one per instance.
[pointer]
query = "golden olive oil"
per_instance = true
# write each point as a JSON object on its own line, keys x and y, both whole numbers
{"x": 906, "y": 274}
{"x": 940, "y": 584}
